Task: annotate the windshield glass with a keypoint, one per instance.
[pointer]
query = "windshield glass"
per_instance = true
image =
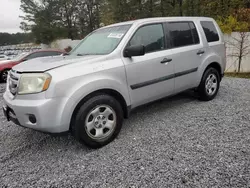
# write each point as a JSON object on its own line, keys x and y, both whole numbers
{"x": 102, "y": 41}
{"x": 20, "y": 56}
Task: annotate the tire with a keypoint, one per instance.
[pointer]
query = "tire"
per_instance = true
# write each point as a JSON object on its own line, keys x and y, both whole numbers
{"x": 4, "y": 75}
{"x": 98, "y": 121}
{"x": 209, "y": 85}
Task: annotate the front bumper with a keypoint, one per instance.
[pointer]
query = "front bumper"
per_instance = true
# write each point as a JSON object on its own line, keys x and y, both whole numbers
{"x": 47, "y": 112}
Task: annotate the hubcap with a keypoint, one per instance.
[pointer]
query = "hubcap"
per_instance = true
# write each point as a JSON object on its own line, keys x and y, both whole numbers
{"x": 211, "y": 84}
{"x": 100, "y": 122}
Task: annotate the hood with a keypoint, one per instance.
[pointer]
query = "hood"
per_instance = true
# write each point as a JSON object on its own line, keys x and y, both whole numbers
{"x": 47, "y": 63}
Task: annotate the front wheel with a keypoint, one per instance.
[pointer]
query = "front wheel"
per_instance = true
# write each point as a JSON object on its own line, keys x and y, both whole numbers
{"x": 209, "y": 85}
{"x": 98, "y": 121}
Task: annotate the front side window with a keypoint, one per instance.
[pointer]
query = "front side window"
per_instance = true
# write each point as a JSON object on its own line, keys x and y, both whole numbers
{"x": 102, "y": 41}
{"x": 151, "y": 36}
{"x": 182, "y": 34}
{"x": 210, "y": 31}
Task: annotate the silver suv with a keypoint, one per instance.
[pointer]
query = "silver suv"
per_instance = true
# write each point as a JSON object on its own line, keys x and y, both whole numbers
{"x": 113, "y": 70}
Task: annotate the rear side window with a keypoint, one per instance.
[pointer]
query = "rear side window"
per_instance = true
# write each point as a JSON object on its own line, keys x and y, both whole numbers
{"x": 34, "y": 55}
{"x": 151, "y": 36}
{"x": 182, "y": 34}
{"x": 51, "y": 53}
{"x": 210, "y": 31}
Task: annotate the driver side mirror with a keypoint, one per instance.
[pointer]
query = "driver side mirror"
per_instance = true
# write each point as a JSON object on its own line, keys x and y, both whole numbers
{"x": 137, "y": 50}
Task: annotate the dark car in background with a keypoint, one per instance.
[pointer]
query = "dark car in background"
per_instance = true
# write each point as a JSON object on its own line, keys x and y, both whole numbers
{"x": 5, "y": 66}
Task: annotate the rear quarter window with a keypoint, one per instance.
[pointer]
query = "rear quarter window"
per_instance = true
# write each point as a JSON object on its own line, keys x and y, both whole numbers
{"x": 210, "y": 31}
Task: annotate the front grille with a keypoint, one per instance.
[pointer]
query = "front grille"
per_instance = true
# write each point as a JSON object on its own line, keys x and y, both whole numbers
{"x": 13, "y": 81}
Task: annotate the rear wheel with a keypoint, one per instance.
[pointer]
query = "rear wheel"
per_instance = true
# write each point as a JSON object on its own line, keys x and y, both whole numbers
{"x": 209, "y": 85}
{"x": 98, "y": 121}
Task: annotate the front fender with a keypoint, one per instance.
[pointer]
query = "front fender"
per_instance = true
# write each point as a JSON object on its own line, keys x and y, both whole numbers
{"x": 78, "y": 88}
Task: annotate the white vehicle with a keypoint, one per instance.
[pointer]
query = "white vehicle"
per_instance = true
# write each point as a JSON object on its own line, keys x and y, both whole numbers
{"x": 112, "y": 71}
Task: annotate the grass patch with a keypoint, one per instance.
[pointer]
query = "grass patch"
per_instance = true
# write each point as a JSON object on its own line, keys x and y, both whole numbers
{"x": 238, "y": 75}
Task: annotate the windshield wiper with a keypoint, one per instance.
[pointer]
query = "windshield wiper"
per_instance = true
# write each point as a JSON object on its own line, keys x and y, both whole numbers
{"x": 80, "y": 55}
{"x": 84, "y": 54}
{"x": 88, "y": 54}
{"x": 65, "y": 54}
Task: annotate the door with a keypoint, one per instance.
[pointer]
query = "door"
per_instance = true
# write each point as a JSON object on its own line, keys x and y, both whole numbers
{"x": 187, "y": 53}
{"x": 149, "y": 77}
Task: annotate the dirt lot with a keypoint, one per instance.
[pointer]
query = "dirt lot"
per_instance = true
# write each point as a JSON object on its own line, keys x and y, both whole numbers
{"x": 176, "y": 142}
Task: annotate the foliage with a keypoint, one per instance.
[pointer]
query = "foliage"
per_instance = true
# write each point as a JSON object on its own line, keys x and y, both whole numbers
{"x": 51, "y": 19}
{"x": 241, "y": 45}
{"x": 18, "y": 38}
{"x": 230, "y": 24}
{"x": 239, "y": 22}
{"x": 68, "y": 49}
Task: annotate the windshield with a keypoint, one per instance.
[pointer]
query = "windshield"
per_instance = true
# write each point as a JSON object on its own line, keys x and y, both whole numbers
{"x": 102, "y": 41}
{"x": 19, "y": 56}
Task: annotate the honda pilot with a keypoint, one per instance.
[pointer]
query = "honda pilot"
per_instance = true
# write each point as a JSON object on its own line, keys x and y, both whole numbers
{"x": 112, "y": 71}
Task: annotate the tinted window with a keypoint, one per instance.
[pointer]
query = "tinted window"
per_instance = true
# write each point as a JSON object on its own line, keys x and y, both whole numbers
{"x": 51, "y": 53}
{"x": 194, "y": 33}
{"x": 210, "y": 31}
{"x": 34, "y": 55}
{"x": 182, "y": 34}
{"x": 2, "y": 57}
{"x": 151, "y": 36}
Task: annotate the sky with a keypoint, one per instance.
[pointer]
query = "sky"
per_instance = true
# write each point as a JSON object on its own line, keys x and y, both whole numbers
{"x": 9, "y": 16}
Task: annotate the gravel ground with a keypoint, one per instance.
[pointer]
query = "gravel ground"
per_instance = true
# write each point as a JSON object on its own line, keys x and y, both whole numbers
{"x": 176, "y": 142}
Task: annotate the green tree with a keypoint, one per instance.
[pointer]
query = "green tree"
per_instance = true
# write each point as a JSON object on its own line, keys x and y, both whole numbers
{"x": 18, "y": 38}
{"x": 240, "y": 43}
{"x": 43, "y": 19}
{"x": 52, "y": 19}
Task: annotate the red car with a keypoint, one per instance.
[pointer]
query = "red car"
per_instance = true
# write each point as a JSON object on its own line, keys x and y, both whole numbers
{"x": 5, "y": 66}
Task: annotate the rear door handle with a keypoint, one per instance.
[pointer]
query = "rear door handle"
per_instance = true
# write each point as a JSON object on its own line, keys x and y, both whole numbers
{"x": 166, "y": 60}
{"x": 200, "y": 52}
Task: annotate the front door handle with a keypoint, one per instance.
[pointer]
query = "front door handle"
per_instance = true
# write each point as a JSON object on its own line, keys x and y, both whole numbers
{"x": 200, "y": 52}
{"x": 166, "y": 60}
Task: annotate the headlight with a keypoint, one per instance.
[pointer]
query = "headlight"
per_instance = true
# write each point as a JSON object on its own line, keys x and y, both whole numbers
{"x": 33, "y": 83}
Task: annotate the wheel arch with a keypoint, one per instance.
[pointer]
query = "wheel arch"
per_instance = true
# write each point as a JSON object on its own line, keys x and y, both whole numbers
{"x": 118, "y": 96}
{"x": 211, "y": 60}
{"x": 216, "y": 66}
